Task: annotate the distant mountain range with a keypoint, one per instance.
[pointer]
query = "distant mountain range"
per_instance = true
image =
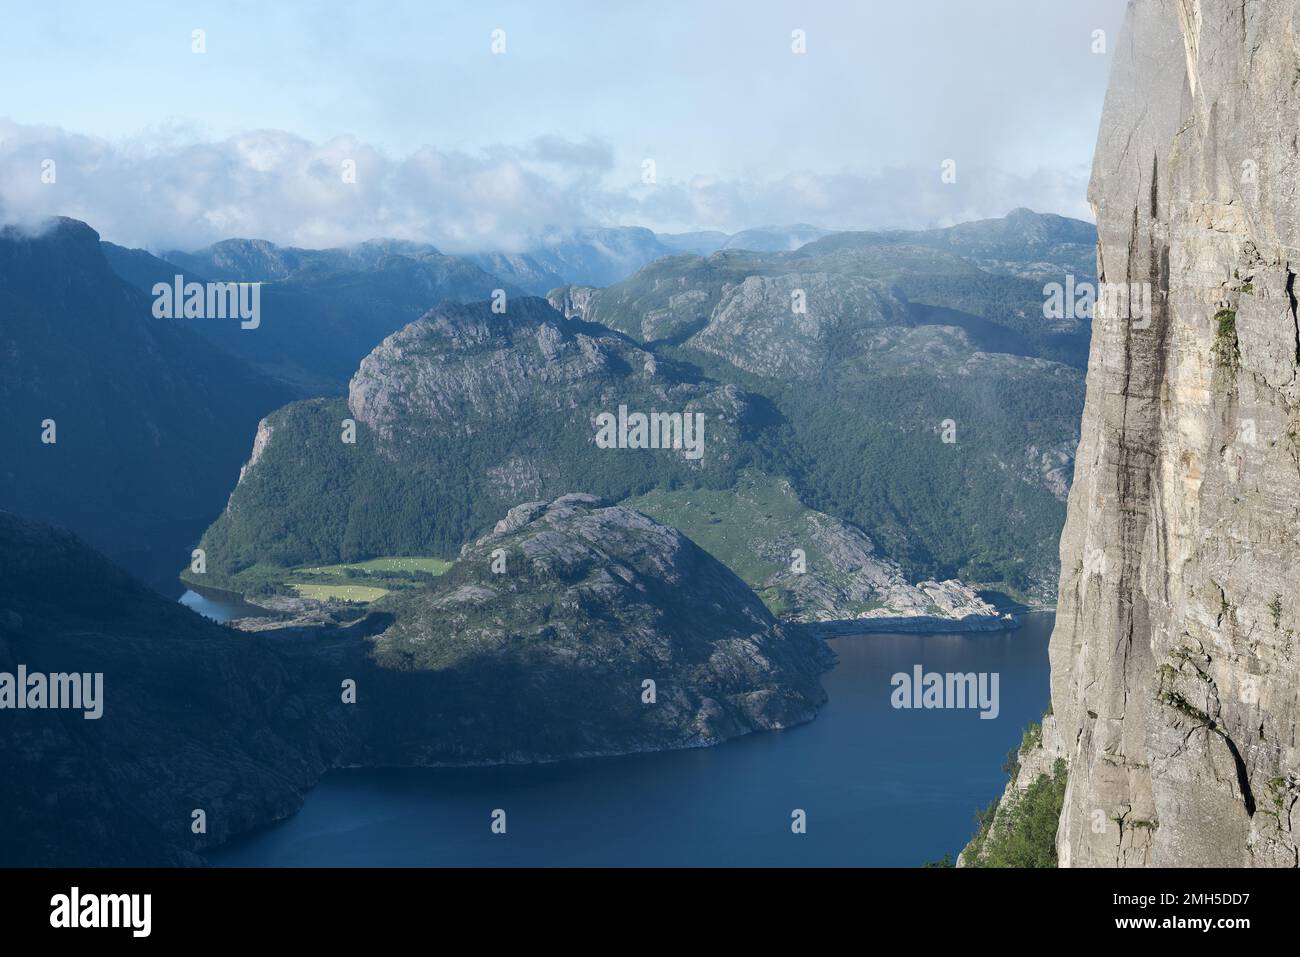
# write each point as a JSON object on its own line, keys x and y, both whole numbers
{"x": 766, "y": 239}
{"x": 902, "y": 331}
{"x": 322, "y": 309}
{"x": 602, "y": 256}
{"x": 466, "y": 412}
{"x": 897, "y": 334}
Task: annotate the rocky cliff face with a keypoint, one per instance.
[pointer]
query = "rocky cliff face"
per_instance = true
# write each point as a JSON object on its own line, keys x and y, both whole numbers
{"x": 1174, "y": 661}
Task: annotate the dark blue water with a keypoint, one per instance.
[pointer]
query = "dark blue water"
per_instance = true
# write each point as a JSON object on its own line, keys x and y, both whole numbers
{"x": 219, "y": 605}
{"x": 880, "y": 786}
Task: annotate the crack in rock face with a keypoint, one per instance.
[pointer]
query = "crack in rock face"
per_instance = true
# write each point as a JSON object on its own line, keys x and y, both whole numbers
{"x": 1174, "y": 662}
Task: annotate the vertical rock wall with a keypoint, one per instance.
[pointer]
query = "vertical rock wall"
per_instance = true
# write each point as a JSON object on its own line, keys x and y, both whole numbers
{"x": 1174, "y": 660}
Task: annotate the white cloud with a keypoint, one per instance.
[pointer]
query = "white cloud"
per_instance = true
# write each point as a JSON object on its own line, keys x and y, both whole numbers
{"x": 171, "y": 190}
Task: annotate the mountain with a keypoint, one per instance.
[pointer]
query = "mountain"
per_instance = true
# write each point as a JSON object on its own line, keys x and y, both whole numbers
{"x": 1173, "y": 662}
{"x": 772, "y": 239}
{"x": 256, "y": 260}
{"x": 920, "y": 393}
{"x": 925, "y": 425}
{"x": 193, "y": 716}
{"x": 459, "y": 417}
{"x": 1022, "y": 243}
{"x": 150, "y": 421}
{"x": 760, "y": 239}
{"x": 809, "y": 567}
{"x": 549, "y": 660}
{"x": 322, "y": 310}
{"x": 521, "y": 270}
{"x": 595, "y": 256}
{"x": 986, "y": 277}
{"x": 699, "y": 243}
{"x": 587, "y": 604}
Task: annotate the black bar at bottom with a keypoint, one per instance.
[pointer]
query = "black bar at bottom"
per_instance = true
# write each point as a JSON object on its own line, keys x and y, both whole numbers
{"x": 213, "y": 906}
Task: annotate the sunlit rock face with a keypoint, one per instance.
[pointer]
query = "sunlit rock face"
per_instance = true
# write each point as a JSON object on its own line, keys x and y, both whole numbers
{"x": 1174, "y": 660}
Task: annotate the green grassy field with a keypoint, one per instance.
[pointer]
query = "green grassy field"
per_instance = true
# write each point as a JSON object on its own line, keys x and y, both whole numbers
{"x": 353, "y": 581}
{"x": 434, "y": 566}
{"x": 363, "y": 581}
{"x": 360, "y": 593}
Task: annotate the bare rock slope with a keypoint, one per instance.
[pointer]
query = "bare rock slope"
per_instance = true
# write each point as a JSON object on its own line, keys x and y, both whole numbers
{"x": 609, "y": 633}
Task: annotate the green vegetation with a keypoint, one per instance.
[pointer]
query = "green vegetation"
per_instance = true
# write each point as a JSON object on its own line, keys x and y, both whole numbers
{"x": 431, "y": 494}
{"x": 339, "y": 582}
{"x": 1278, "y": 797}
{"x": 727, "y": 523}
{"x": 1024, "y": 834}
{"x": 402, "y": 567}
{"x": 866, "y": 448}
{"x": 1033, "y": 737}
{"x": 1021, "y": 832}
{"x": 1275, "y": 610}
{"x": 357, "y": 581}
{"x": 1226, "y": 349}
{"x": 358, "y": 593}
{"x": 1180, "y": 703}
{"x": 752, "y": 529}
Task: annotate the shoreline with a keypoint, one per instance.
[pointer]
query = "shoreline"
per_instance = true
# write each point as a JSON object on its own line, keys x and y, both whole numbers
{"x": 912, "y": 625}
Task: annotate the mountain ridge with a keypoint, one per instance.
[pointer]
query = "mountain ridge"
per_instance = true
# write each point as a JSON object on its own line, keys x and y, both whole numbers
{"x": 150, "y": 422}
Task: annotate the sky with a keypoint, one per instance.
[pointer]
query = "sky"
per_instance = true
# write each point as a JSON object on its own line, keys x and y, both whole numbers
{"x": 476, "y": 125}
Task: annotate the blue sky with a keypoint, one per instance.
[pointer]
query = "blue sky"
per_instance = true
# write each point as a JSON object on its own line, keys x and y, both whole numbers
{"x": 466, "y": 148}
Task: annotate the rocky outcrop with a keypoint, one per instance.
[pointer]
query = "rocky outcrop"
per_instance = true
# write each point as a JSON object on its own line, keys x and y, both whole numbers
{"x": 600, "y": 631}
{"x": 785, "y": 325}
{"x": 463, "y": 369}
{"x": 850, "y": 586}
{"x": 764, "y": 324}
{"x": 1174, "y": 659}
{"x": 572, "y": 301}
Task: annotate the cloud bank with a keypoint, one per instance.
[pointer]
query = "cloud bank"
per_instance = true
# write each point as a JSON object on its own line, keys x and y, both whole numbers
{"x": 168, "y": 190}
